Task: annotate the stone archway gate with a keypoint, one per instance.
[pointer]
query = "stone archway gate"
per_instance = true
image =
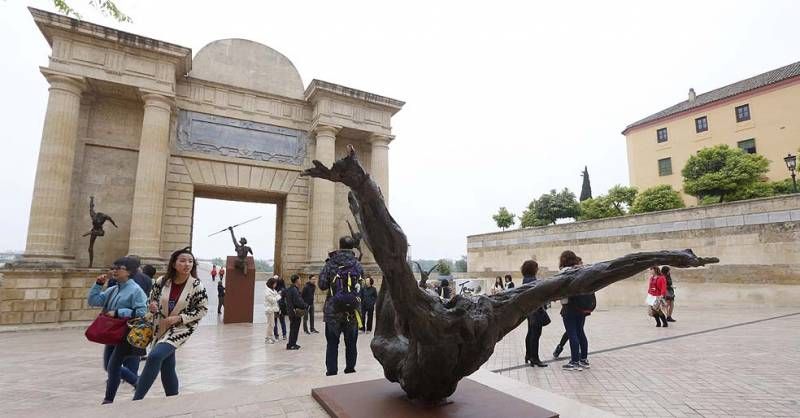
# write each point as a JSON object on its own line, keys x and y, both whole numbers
{"x": 145, "y": 128}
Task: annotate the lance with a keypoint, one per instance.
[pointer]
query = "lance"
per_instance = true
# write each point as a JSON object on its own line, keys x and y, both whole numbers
{"x": 239, "y": 224}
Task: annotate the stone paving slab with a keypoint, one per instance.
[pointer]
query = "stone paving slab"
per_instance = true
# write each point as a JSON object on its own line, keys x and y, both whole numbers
{"x": 712, "y": 362}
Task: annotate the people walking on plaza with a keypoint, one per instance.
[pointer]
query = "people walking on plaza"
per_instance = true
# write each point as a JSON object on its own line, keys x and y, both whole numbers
{"x": 178, "y": 302}
{"x": 498, "y": 285}
{"x": 656, "y": 291}
{"x": 213, "y": 272}
{"x": 341, "y": 311}
{"x": 221, "y": 273}
{"x": 564, "y": 337}
{"x": 574, "y": 311}
{"x": 220, "y": 296}
{"x": 536, "y": 320}
{"x": 297, "y": 308}
{"x": 509, "y": 282}
{"x": 123, "y": 300}
{"x": 308, "y": 297}
{"x": 271, "y": 298}
{"x": 669, "y": 299}
{"x": 280, "y": 317}
{"x": 369, "y": 296}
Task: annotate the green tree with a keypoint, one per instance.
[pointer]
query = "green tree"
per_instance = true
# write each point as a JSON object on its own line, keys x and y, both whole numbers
{"x": 445, "y": 267}
{"x": 556, "y": 205}
{"x": 460, "y": 266}
{"x": 597, "y": 208}
{"x": 504, "y": 218}
{"x": 529, "y": 219}
{"x": 621, "y": 198}
{"x": 657, "y": 198}
{"x": 106, "y": 7}
{"x": 782, "y": 187}
{"x": 721, "y": 171}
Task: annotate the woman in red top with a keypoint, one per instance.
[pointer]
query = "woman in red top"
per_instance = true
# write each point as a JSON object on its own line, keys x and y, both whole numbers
{"x": 213, "y": 272}
{"x": 656, "y": 290}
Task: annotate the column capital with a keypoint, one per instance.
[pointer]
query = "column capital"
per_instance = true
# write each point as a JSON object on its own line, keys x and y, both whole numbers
{"x": 378, "y": 140}
{"x": 157, "y": 100}
{"x": 329, "y": 130}
{"x": 67, "y": 83}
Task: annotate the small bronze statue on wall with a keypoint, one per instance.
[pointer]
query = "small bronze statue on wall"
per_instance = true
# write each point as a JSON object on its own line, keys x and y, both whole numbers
{"x": 98, "y": 219}
{"x": 241, "y": 252}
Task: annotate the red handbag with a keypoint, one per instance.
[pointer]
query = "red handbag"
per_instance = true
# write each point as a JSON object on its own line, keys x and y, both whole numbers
{"x": 107, "y": 330}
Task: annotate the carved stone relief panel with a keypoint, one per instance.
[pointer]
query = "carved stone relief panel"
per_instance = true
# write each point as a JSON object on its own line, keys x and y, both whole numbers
{"x": 218, "y": 135}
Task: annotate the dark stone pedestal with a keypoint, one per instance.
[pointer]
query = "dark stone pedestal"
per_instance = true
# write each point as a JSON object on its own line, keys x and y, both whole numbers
{"x": 239, "y": 292}
{"x": 383, "y": 399}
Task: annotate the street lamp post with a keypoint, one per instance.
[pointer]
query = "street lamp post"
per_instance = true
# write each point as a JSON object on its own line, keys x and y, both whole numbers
{"x": 791, "y": 164}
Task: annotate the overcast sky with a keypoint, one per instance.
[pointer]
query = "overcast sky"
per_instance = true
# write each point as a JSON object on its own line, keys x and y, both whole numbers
{"x": 504, "y": 101}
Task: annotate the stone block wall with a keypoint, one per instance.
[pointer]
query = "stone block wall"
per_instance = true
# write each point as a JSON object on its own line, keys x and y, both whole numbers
{"x": 757, "y": 241}
{"x": 45, "y": 296}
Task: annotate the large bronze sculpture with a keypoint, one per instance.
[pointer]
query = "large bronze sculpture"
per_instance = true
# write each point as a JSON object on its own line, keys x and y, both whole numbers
{"x": 427, "y": 345}
{"x": 98, "y": 219}
{"x": 242, "y": 250}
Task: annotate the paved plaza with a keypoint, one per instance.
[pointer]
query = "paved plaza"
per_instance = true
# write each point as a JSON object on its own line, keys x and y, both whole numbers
{"x": 712, "y": 362}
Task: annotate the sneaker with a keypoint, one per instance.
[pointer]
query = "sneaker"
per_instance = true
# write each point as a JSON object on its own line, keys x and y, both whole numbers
{"x": 348, "y": 371}
{"x": 284, "y": 337}
{"x": 313, "y": 331}
{"x": 585, "y": 364}
{"x": 669, "y": 319}
{"x": 572, "y": 367}
{"x": 557, "y": 351}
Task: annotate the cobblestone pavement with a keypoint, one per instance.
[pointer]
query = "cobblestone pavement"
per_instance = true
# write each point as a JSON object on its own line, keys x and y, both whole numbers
{"x": 712, "y": 362}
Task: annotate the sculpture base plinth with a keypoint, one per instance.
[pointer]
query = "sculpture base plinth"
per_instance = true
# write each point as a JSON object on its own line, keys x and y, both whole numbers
{"x": 384, "y": 399}
{"x": 239, "y": 292}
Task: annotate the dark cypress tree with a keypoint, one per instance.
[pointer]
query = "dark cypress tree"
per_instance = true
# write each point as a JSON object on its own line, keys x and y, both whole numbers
{"x": 586, "y": 188}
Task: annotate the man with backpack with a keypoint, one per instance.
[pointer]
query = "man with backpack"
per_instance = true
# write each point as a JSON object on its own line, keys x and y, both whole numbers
{"x": 339, "y": 278}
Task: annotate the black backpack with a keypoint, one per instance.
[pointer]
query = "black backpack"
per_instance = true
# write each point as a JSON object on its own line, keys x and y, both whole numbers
{"x": 282, "y": 306}
{"x": 584, "y": 303}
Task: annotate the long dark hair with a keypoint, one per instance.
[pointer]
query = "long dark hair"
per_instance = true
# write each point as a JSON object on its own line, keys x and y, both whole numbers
{"x": 568, "y": 259}
{"x": 171, "y": 272}
{"x": 281, "y": 284}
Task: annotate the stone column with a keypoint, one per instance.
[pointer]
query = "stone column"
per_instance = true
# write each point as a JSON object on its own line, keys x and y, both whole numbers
{"x": 151, "y": 177}
{"x": 49, "y": 225}
{"x": 379, "y": 167}
{"x": 322, "y": 208}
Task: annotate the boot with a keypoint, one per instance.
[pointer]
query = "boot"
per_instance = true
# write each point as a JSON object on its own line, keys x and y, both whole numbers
{"x": 664, "y": 320}
{"x": 669, "y": 319}
{"x": 558, "y": 350}
{"x": 658, "y": 321}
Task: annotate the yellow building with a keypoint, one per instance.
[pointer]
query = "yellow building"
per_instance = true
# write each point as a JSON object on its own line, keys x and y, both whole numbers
{"x": 760, "y": 115}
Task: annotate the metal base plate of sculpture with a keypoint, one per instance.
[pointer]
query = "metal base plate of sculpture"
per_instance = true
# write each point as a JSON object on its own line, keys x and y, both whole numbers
{"x": 427, "y": 345}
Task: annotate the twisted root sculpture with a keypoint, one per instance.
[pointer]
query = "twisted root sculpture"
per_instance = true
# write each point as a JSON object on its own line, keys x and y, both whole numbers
{"x": 428, "y": 345}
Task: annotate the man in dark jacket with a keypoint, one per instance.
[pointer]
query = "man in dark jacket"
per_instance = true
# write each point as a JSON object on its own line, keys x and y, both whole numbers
{"x": 340, "y": 274}
{"x": 220, "y": 296}
{"x": 369, "y": 295}
{"x": 295, "y": 305}
{"x": 144, "y": 281}
{"x": 308, "y": 298}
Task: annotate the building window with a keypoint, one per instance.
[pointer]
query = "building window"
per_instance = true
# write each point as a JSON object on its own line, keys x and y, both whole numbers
{"x": 742, "y": 113}
{"x": 665, "y": 166}
{"x": 701, "y": 124}
{"x": 661, "y": 135}
{"x": 748, "y": 145}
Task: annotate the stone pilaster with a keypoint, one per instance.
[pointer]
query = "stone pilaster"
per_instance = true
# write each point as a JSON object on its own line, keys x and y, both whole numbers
{"x": 49, "y": 225}
{"x": 379, "y": 167}
{"x": 322, "y": 211}
{"x": 151, "y": 172}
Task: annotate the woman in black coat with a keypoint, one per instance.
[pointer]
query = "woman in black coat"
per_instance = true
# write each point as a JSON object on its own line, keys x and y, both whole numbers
{"x": 536, "y": 320}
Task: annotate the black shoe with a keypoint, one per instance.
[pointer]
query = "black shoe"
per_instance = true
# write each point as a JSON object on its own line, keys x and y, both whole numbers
{"x": 348, "y": 371}
{"x": 106, "y": 401}
{"x": 669, "y": 319}
{"x": 585, "y": 364}
{"x": 537, "y": 363}
{"x": 294, "y": 347}
{"x": 527, "y": 359}
{"x": 330, "y": 374}
{"x": 557, "y": 351}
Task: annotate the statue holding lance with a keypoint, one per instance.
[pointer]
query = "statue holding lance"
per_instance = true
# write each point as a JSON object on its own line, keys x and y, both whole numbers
{"x": 242, "y": 249}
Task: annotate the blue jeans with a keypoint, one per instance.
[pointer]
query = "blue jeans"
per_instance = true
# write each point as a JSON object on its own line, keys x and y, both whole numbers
{"x": 332, "y": 332}
{"x": 120, "y": 354}
{"x": 162, "y": 359}
{"x": 578, "y": 345}
{"x": 282, "y": 320}
{"x": 130, "y": 366}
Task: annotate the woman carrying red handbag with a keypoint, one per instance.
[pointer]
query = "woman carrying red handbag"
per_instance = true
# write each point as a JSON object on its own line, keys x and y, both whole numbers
{"x": 125, "y": 300}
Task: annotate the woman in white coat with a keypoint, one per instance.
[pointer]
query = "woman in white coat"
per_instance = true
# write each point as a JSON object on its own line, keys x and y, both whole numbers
{"x": 271, "y": 298}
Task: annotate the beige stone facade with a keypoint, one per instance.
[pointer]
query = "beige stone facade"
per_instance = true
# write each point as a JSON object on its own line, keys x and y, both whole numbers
{"x": 146, "y": 128}
{"x": 756, "y": 242}
{"x": 759, "y": 114}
